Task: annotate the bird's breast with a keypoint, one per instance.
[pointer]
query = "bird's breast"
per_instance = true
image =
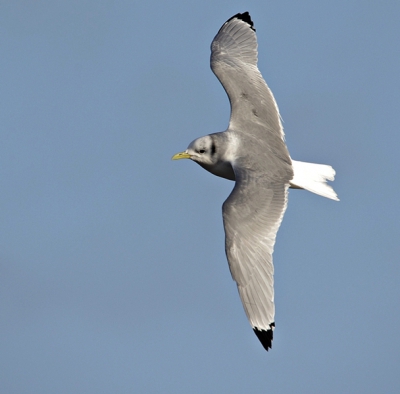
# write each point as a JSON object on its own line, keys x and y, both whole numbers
{"x": 222, "y": 169}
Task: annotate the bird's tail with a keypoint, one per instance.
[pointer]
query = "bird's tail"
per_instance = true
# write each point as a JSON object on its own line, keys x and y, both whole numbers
{"x": 313, "y": 177}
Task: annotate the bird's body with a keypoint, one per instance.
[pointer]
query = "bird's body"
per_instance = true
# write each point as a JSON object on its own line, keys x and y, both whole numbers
{"x": 253, "y": 153}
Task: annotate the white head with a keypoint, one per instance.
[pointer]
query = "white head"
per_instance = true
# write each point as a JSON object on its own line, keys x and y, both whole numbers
{"x": 202, "y": 151}
{"x": 206, "y": 151}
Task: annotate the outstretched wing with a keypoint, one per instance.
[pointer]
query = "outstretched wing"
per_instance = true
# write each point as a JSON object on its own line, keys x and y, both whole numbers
{"x": 234, "y": 62}
{"x": 254, "y": 210}
{"x": 252, "y": 215}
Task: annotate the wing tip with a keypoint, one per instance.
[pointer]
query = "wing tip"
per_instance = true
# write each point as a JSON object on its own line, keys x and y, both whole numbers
{"x": 265, "y": 336}
{"x": 245, "y": 17}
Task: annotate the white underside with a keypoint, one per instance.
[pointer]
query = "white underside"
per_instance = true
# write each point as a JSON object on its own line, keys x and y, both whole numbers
{"x": 313, "y": 177}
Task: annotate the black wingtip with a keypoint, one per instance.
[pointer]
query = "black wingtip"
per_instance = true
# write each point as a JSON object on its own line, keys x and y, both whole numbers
{"x": 245, "y": 17}
{"x": 265, "y": 336}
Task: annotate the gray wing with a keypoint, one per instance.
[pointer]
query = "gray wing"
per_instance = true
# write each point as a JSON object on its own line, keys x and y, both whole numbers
{"x": 252, "y": 215}
{"x": 254, "y": 210}
{"x": 234, "y": 62}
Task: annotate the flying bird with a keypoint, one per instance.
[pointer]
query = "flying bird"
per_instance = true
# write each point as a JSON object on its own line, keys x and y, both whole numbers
{"x": 252, "y": 152}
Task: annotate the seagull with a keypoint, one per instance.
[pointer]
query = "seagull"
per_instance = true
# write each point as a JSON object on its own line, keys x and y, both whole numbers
{"x": 252, "y": 152}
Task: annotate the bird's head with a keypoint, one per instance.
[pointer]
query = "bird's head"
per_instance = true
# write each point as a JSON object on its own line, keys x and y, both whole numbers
{"x": 202, "y": 151}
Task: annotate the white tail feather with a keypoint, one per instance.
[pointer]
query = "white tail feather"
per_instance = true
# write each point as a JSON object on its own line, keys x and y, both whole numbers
{"x": 313, "y": 177}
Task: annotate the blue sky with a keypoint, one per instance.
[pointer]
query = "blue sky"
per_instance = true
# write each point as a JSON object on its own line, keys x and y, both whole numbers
{"x": 113, "y": 277}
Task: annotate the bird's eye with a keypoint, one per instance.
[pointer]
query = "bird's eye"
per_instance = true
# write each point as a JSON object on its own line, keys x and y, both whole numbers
{"x": 202, "y": 150}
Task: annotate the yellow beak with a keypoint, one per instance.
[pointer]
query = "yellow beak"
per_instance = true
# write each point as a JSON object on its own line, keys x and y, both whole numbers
{"x": 181, "y": 155}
